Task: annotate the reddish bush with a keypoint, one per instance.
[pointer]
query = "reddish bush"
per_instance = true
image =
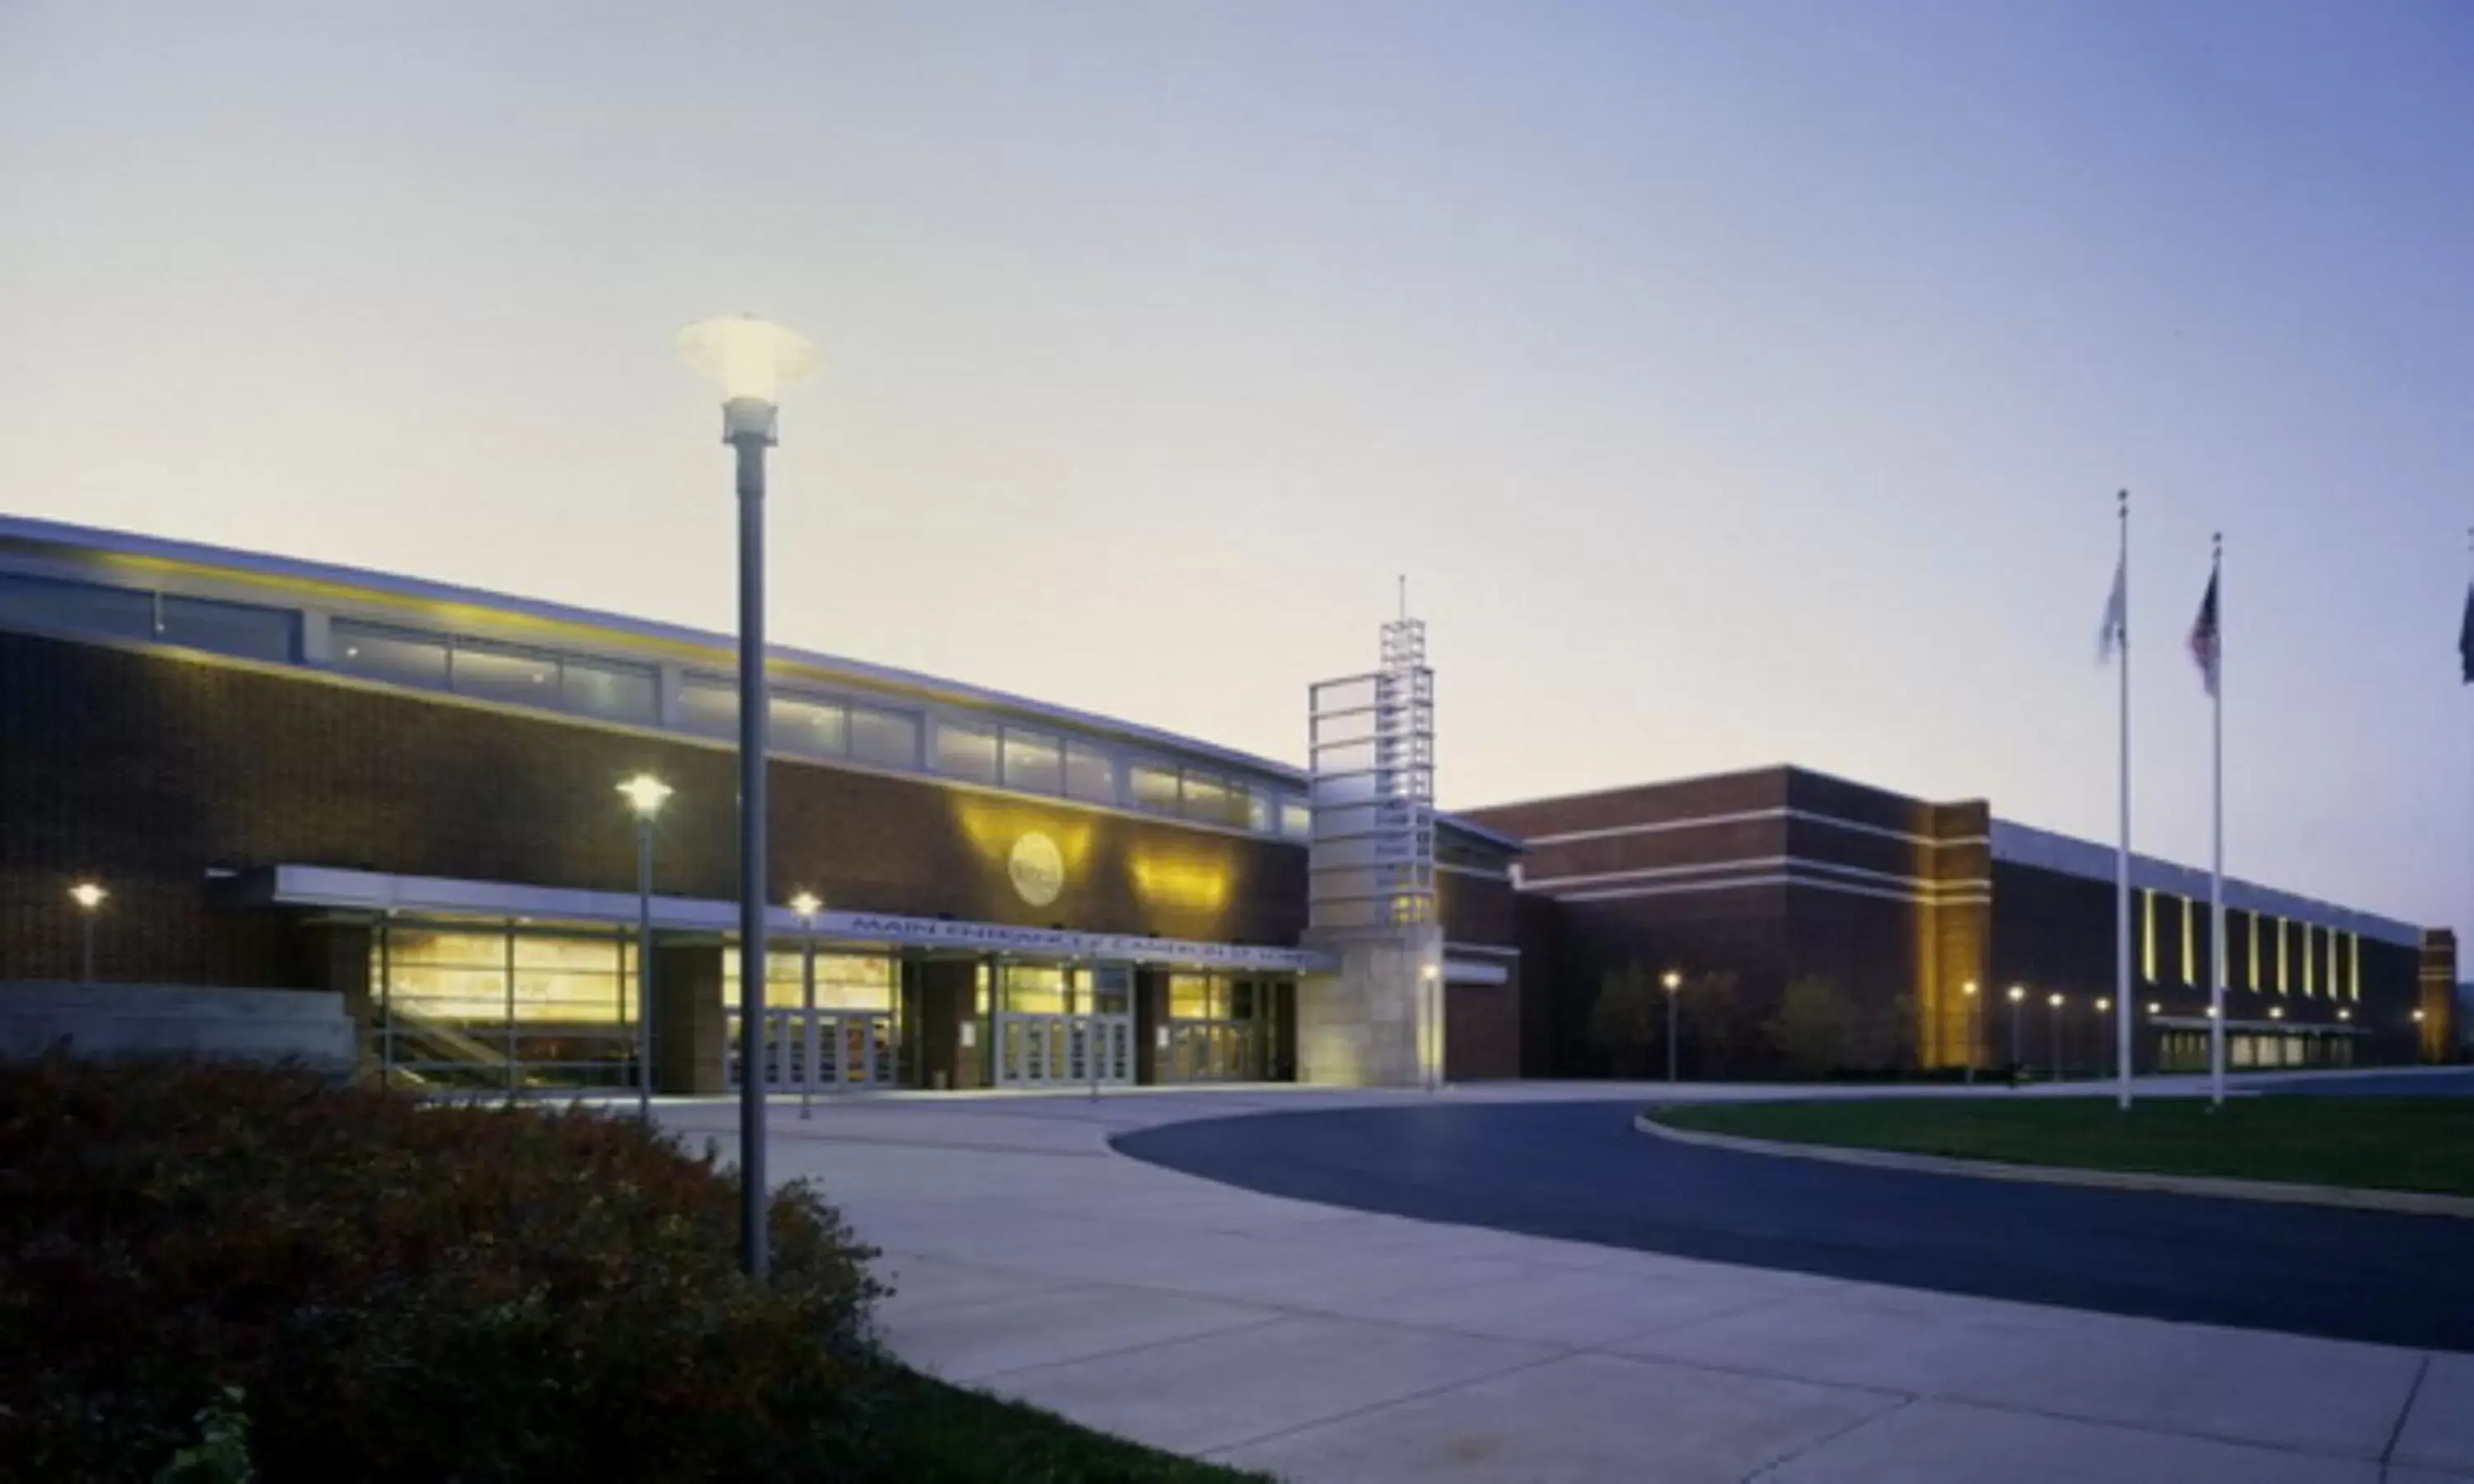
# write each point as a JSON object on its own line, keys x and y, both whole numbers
{"x": 400, "y": 1290}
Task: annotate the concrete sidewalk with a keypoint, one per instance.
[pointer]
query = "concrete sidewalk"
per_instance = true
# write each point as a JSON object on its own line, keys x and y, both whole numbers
{"x": 1322, "y": 1344}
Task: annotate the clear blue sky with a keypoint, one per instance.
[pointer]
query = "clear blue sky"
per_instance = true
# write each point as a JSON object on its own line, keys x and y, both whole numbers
{"x": 1739, "y": 382}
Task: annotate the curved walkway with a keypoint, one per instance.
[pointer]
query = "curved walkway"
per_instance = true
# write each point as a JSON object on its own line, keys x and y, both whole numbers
{"x": 1328, "y": 1344}
{"x": 1581, "y": 1172}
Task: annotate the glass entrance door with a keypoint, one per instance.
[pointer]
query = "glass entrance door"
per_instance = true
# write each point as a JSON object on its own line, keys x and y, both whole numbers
{"x": 1064, "y": 1025}
{"x": 820, "y": 1051}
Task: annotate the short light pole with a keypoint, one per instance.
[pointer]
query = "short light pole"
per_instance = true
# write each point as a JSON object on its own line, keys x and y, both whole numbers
{"x": 89, "y": 897}
{"x": 2104, "y": 1053}
{"x": 807, "y": 906}
{"x": 644, "y": 794}
{"x": 1974, "y": 1027}
{"x": 1673, "y": 983}
{"x": 2055, "y": 1001}
{"x": 2018, "y": 996}
{"x": 1430, "y": 982}
{"x": 752, "y": 360}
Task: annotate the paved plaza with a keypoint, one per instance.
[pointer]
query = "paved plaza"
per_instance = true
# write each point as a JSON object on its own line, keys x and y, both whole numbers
{"x": 1322, "y": 1344}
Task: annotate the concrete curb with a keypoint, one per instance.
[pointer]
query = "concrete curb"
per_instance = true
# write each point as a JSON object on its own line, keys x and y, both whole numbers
{"x": 2412, "y": 1203}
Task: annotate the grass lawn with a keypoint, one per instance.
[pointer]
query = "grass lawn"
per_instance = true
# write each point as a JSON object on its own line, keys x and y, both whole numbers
{"x": 941, "y": 1434}
{"x": 2393, "y": 1143}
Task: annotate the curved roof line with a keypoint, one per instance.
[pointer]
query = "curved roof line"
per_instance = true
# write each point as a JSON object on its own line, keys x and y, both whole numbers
{"x": 31, "y": 531}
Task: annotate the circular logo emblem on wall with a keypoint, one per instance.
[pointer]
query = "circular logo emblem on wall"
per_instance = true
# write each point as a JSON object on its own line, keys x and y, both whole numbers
{"x": 1037, "y": 869}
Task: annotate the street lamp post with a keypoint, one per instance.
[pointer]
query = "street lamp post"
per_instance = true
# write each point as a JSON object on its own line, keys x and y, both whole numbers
{"x": 644, "y": 794}
{"x": 1673, "y": 983}
{"x": 2055, "y": 1001}
{"x": 2018, "y": 994}
{"x": 1974, "y": 1027}
{"x": 89, "y": 897}
{"x": 752, "y": 360}
{"x": 807, "y": 906}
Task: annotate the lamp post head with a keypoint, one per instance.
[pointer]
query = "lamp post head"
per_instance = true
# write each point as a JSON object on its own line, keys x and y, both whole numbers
{"x": 88, "y": 895}
{"x": 2277, "y": 1012}
{"x": 2344, "y": 1015}
{"x": 1431, "y": 973}
{"x": 2054, "y": 1000}
{"x": 807, "y": 904}
{"x": 2154, "y": 1008}
{"x": 1671, "y": 980}
{"x": 2418, "y": 1016}
{"x": 1967, "y": 989}
{"x": 2018, "y": 992}
{"x": 646, "y": 794}
{"x": 2103, "y": 1003}
{"x": 752, "y": 360}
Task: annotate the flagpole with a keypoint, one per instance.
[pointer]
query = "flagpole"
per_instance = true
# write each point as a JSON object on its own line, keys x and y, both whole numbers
{"x": 2121, "y": 994}
{"x": 2216, "y": 880}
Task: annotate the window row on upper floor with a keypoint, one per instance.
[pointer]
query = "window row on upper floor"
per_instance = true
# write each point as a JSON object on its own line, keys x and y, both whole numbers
{"x": 801, "y": 722}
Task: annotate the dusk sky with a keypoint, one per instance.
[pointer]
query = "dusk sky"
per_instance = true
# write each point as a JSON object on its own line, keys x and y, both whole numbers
{"x": 1738, "y": 383}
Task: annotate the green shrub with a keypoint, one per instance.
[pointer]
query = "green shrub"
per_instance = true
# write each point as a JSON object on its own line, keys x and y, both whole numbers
{"x": 211, "y": 1270}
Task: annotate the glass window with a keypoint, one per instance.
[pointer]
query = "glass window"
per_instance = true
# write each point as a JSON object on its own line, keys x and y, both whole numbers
{"x": 710, "y": 706}
{"x": 844, "y": 981}
{"x": 887, "y": 738}
{"x": 404, "y": 656}
{"x": 242, "y": 628}
{"x": 1034, "y": 763}
{"x": 1154, "y": 787}
{"x": 1090, "y": 774}
{"x": 1192, "y": 997}
{"x": 966, "y": 752}
{"x": 502, "y": 671}
{"x": 610, "y": 690}
{"x": 41, "y": 602}
{"x": 1214, "y": 800}
{"x": 1296, "y": 820}
{"x": 1260, "y": 808}
{"x": 819, "y": 729}
{"x": 1034, "y": 989}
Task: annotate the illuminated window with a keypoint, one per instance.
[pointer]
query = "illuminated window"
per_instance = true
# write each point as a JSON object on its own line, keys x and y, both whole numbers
{"x": 2254, "y": 952}
{"x": 1296, "y": 820}
{"x": 819, "y": 729}
{"x": 2283, "y": 981}
{"x": 1033, "y": 762}
{"x": 844, "y": 981}
{"x": 2354, "y": 953}
{"x": 503, "y": 672}
{"x": 2190, "y": 954}
{"x": 1154, "y": 787}
{"x": 1090, "y": 774}
{"x": 608, "y": 689}
{"x": 2148, "y": 935}
{"x": 966, "y": 752}
{"x": 710, "y": 706}
{"x": 2336, "y": 981}
{"x": 2310, "y": 979}
{"x": 888, "y": 739}
{"x": 400, "y": 656}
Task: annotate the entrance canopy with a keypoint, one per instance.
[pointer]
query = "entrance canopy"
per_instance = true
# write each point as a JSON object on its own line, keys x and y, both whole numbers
{"x": 378, "y": 891}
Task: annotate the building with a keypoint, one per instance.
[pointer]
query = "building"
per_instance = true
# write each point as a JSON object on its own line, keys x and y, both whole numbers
{"x": 294, "y": 776}
{"x": 297, "y": 776}
{"x": 1962, "y": 937}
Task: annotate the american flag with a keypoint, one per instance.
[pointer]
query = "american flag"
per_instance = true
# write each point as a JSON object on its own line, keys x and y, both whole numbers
{"x": 2207, "y": 644}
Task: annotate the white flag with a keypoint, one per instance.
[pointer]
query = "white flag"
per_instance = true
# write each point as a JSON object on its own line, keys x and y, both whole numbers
{"x": 2116, "y": 631}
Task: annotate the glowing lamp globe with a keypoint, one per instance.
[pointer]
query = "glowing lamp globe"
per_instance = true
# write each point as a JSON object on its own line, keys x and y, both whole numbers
{"x": 751, "y": 360}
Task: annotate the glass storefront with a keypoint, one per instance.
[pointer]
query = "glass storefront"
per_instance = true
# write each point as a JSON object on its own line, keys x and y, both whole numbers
{"x": 1062, "y": 1024}
{"x": 853, "y": 1039}
{"x": 494, "y": 1008}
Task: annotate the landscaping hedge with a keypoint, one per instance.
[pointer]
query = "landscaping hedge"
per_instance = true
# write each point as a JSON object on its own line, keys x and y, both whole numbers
{"x": 210, "y": 1263}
